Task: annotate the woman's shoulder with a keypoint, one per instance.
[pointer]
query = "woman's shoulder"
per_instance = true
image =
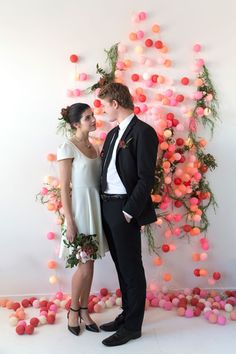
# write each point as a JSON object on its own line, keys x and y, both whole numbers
{"x": 66, "y": 150}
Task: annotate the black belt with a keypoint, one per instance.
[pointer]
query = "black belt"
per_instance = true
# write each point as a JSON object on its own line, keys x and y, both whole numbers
{"x": 107, "y": 197}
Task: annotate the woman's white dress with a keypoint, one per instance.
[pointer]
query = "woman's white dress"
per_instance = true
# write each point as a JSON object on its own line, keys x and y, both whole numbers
{"x": 85, "y": 180}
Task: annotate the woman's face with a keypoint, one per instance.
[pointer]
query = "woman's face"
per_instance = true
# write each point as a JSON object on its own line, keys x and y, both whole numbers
{"x": 87, "y": 122}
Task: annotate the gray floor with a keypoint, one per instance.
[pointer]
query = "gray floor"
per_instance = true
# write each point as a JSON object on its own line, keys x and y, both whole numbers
{"x": 163, "y": 332}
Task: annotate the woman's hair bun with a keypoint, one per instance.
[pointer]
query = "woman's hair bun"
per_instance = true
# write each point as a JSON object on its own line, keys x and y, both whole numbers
{"x": 65, "y": 114}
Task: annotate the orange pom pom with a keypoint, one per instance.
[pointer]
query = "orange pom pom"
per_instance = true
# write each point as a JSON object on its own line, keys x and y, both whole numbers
{"x": 157, "y": 261}
{"x": 195, "y": 231}
{"x": 158, "y": 97}
{"x": 203, "y": 272}
{"x": 166, "y": 101}
{"x": 155, "y": 28}
{"x": 139, "y": 90}
{"x": 196, "y": 257}
{"x": 164, "y": 145}
{"x": 198, "y": 82}
{"x": 52, "y": 264}
{"x": 99, "y": 123}
{"x": 156, "y": 198}
{"x": 167, "y": 276}
{"x": 167, "y": 63}
{"x": 51, "y": 207}
{"x": 128, "y": 63}
{"x": 164, "y": 49}
{"x": 51, "y": 157}
{"x": 133, "y": 36}
{"x": 161, "y": 79}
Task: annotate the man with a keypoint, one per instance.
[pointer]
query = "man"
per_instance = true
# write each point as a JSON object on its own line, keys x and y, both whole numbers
{"x": 128, "y": 165}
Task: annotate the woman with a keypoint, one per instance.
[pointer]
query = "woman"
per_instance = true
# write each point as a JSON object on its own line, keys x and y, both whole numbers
{"x": 80, "y": 165}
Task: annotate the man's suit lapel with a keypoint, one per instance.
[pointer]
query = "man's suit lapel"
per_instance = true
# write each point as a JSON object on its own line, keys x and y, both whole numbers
{"x": 126, "y": 133}
{"x": 106, "y": 145}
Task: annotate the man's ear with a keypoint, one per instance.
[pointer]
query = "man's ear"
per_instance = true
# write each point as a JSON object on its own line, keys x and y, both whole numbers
{"x": 115, "y": 104}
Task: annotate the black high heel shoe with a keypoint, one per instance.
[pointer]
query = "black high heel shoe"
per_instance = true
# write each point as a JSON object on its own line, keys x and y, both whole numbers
{"x": 90, "y": 327}
{"x": 75, "y": 330}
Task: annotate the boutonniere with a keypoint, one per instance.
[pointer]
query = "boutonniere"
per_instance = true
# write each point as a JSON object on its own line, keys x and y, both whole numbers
{"x": 124, "y": 144}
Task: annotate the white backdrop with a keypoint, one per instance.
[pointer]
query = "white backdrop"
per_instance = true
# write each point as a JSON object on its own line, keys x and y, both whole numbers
{"x": 36, "y": 39}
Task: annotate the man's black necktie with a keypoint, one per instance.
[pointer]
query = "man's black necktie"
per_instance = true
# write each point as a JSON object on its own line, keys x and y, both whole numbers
{"x": 108, "y": 159}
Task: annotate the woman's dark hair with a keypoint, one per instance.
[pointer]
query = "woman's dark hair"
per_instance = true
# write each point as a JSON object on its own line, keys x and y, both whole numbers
{"x": 73, "y": 114}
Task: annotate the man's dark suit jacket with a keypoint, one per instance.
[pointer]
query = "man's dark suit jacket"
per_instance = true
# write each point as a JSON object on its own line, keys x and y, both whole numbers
{"x": 135, "y": 162}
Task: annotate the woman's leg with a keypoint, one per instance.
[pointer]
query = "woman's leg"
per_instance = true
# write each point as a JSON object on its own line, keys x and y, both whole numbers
{"x": 81, "y": 284}
{"x": 85, "y": 293}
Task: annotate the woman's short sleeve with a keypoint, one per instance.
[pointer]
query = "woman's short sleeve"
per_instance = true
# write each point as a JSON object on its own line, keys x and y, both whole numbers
{"x": 65, "y": 151}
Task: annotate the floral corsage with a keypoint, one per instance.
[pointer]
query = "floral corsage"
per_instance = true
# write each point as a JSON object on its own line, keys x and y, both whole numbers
{"x": 124, "y": 144}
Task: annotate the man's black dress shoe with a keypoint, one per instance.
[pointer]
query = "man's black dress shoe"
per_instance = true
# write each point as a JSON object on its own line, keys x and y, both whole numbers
{"x": 114, "y": 325}
{"x": 122, "y": 336}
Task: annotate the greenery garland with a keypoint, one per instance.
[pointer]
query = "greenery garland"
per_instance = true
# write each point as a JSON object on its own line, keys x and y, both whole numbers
{"x": 206, "y": 160}
{"x": 106, "y": 76}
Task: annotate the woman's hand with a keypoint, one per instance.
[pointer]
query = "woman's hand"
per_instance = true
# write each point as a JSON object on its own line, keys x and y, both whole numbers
{"x": 71, "y": 232}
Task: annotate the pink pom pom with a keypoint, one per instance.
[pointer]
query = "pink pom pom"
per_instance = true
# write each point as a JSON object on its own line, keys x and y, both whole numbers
{"x": 69, "y": 93}
{"x": 200, "y": 62}
{"x": 189, "y": 313}
{"x": 233, "y": 315}
{"x": 36, "y": 304}
{"x": 143, "y": 107}
{"x": 194, "y": 201}
{"x": 212, "y": 317}
{"x": 83, "y": 77}
{"x": 142, "y": 60}
{"x": 169, "y": 93}
{"x": 205, "y": 247}
{"x": 149, "y": 295}
{"x": 98, "y": 308}
{"x": 53, "y": 308}
{"x": 198, "y": 95}
{"x": 180, "y": 127}
{"x": 177, "y": 217}
{"x": 207, "y": 314}
{"x": 142, "y": 16}
{"x": 149, "y": 83}
{"x": 162, "y": 303}
{"x": 173, "y": 102}
{"x": 175, "y": 301}
{"x": 154, "y": 302}
{"x": 168, "y": 306}
{"x": 44, "y": 191}
{"x": 197, "y": 48}
{"x": 135, "y": 18}
{"x": 140, "y": 34}
{"x": 122, "y": 48}
{"x": 59, "y": 295}
{"x": 149, "y": 62}
{"x": 76, "y": 92}
{"x": 22, "y": 323}
{"x": 51, "y": 235}
{"x": 97, "y": 91}
{"x": 103, "y": 135}
{"x": 120, "y": 65}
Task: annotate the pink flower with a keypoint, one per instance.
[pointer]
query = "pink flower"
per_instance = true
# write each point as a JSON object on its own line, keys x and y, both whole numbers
{"x": 44, "y": 191}
{"x": 123, "y": 144}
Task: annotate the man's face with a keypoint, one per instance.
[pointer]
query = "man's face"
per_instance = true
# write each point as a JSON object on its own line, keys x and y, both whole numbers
{"x": 111, "y": 109}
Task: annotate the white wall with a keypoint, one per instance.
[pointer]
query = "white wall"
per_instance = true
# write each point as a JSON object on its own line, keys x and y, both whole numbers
{"x": 36, "y": 38}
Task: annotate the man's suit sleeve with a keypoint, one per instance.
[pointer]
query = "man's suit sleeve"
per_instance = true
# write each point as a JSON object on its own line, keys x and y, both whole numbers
{"x": 146, "y": 161}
